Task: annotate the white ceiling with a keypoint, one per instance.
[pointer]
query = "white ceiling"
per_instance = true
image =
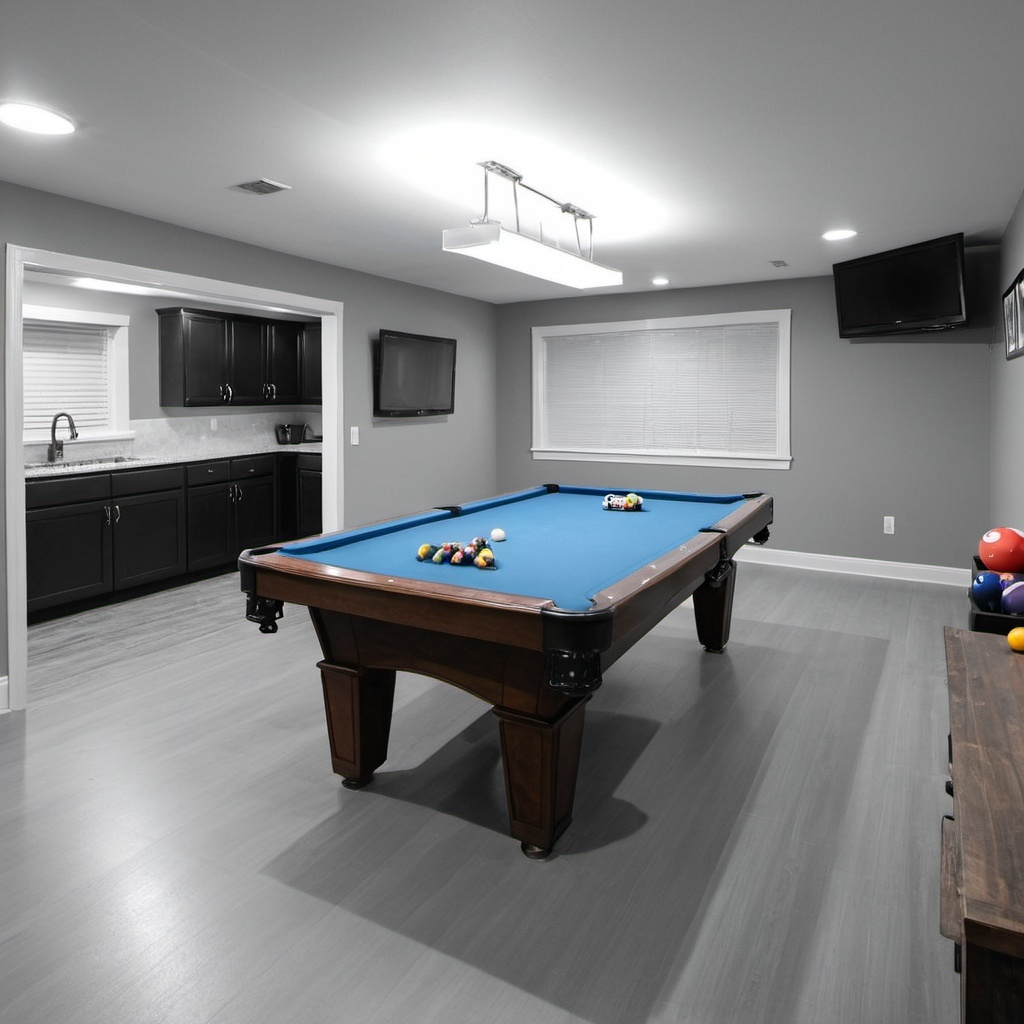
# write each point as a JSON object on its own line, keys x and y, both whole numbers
{"x": 707, "y": 137}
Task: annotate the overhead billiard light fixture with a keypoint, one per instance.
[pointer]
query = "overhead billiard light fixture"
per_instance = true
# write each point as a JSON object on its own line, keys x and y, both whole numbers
{"x": 838, "y": 234}
{"x": 38, "y": 120}
{"x": 488, "y": 240}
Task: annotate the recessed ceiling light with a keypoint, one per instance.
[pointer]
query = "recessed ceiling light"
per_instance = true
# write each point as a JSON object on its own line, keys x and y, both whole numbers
{"x": 659, "y": 281}
{"x": 28, "y": 118}
{"x": 838, "y": 234}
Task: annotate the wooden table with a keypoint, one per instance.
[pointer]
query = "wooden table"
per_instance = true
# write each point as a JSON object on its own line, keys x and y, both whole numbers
{"x": 982, "y": 892}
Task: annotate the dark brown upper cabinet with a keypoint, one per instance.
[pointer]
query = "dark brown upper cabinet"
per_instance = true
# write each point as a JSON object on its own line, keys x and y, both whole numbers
{"x": 209, "y": 359}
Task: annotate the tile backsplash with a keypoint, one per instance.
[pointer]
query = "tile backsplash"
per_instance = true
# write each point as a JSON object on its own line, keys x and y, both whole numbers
{"x": 191, "y": 437}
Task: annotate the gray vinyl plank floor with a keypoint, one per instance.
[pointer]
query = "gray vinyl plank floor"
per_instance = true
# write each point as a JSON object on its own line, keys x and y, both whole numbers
{"x": 756, "y": 833}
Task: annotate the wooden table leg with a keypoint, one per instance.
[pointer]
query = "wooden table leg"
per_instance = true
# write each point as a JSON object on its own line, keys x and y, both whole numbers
{"x": 712, "y": 606}
{"x": 358, "y": 706}
{"x": 541, "y": 760}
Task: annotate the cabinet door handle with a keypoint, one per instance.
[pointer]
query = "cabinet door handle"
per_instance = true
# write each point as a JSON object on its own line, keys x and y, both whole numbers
{"x": 220, "y": 391}
{"x": 238, "y": 493}
{"x": 228, "y": 392}
{"x": 106, "y": 512}
{"x": 117, "y": 513}
{"x": 273, "y": 392}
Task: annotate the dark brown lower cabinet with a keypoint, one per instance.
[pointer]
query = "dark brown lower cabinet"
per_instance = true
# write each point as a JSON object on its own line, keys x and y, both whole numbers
{"x": 232, "y": 505}
{"x": 131, "y": 532}
{"x": 310, "y": 491}
{"x": 67, "y": 548}
{"x": 96, "y": 533}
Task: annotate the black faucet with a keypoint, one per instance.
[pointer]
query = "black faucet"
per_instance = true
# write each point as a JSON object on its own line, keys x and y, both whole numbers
{"x": 56, "y": 449}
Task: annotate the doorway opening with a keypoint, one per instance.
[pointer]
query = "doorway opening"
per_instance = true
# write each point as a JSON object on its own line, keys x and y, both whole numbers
{"x": 14, "y": 690}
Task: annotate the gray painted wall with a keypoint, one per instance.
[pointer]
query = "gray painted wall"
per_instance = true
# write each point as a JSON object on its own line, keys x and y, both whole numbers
{"x": 397, "y": 467}
{"x": 896, "y": 427}
{"x": 1007, "y": 386}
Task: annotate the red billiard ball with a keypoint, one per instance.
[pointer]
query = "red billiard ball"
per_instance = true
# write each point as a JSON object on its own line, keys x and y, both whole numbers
{"x": 1002, "y": 550}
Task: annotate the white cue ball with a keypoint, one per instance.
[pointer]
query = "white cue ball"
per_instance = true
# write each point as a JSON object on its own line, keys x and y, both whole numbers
{"x": 497, "y": 534}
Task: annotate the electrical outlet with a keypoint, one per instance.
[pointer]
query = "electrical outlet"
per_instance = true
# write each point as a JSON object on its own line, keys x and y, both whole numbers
{"x": 353, "y": 435}
{"x": 888, "y": 524}
{"x": 213, "y": 423}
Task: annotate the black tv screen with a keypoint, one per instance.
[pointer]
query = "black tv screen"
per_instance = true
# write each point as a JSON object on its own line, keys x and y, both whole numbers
{"x": 915, "y": 288}
{"x": 413, "y": 375}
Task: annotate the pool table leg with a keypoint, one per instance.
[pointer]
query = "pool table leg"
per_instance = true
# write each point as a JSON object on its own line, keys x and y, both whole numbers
{"x": 358, "y": 706}
{"x": 712, "y": 606}
{"x": 541, "y": 759}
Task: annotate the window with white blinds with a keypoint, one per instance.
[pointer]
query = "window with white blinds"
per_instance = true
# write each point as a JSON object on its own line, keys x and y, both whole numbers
{"x": 701, "y": 390}
{"x": 76, "y": 366}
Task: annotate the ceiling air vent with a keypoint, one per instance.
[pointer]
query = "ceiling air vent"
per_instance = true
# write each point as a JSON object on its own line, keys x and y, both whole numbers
{"x": 262, "y": 187}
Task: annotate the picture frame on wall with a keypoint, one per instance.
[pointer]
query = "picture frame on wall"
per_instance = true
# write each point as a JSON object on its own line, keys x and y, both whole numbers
{"x": 1013, "y": 310}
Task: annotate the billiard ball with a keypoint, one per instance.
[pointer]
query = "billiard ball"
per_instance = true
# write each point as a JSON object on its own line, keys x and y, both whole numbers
{"x": 987, "y": 591}
{"x": 1013, "y": 599}
{"x": 1002, "y": 550}
{"x": 1015, "y": 638}
{"x": 497, "y": 534}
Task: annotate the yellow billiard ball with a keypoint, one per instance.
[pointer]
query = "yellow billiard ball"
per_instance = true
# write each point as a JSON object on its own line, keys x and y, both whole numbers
{"x": 1015, "y": 638}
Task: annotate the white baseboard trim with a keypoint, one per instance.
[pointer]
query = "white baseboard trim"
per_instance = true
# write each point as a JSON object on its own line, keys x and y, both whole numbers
{"x": 856, "y": 566}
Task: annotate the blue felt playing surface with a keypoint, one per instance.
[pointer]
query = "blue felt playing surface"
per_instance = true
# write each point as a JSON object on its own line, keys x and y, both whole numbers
{"x": 561, "y": 546}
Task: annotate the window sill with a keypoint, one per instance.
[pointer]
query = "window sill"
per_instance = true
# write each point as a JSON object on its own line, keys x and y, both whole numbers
{"x": 665, "y": 459}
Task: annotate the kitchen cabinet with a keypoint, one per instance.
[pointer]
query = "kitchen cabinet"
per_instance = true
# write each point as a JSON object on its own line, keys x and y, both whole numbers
{"x": 300, "y": 494}
{"x": 209, "y": 359}
{"x": 232, "y": 505}
{"x": 90, "y": 535}
{"x": 309, "y": 489}
{"x": 284, "y": 362}
{"x": 312, "y": 373}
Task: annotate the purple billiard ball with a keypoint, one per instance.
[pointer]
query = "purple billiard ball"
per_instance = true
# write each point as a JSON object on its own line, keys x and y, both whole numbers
{"x": 1013, "y": 599}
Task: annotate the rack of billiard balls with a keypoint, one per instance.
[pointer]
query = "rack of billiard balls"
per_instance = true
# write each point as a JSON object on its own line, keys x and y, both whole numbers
{"x": 998, "y": 584}
{"x": 477, "y": 552}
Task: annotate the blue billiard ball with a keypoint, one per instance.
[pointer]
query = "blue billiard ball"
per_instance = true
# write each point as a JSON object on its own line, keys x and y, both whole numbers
{"x": 987, "y": 591}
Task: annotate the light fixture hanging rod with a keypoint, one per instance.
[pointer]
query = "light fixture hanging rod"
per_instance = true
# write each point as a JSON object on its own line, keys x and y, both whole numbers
{"x": 500, "y": 169}
{"x": 503, "y": 171}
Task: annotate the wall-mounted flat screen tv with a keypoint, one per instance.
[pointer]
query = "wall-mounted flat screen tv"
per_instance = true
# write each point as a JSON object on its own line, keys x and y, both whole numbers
{"x": 902, "y": 291}
{"x": 413, "y": 375}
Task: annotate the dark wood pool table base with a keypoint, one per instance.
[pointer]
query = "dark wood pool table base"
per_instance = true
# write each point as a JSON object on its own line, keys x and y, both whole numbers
{"x": 498, "y": 649}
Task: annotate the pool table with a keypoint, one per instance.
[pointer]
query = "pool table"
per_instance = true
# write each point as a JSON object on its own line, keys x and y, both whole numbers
{"x": 574, "y": 585}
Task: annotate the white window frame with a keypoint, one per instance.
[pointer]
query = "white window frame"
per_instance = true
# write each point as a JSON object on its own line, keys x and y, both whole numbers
{"x": 781, "y": 458}
{"x": 117, "y": 368}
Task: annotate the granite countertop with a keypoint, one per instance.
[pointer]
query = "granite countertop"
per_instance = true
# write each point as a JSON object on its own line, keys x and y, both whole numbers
{"x": 189, "y": 453}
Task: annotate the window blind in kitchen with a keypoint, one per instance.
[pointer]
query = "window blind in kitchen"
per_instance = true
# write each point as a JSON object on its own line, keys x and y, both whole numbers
{"x": 66, "y": 369}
